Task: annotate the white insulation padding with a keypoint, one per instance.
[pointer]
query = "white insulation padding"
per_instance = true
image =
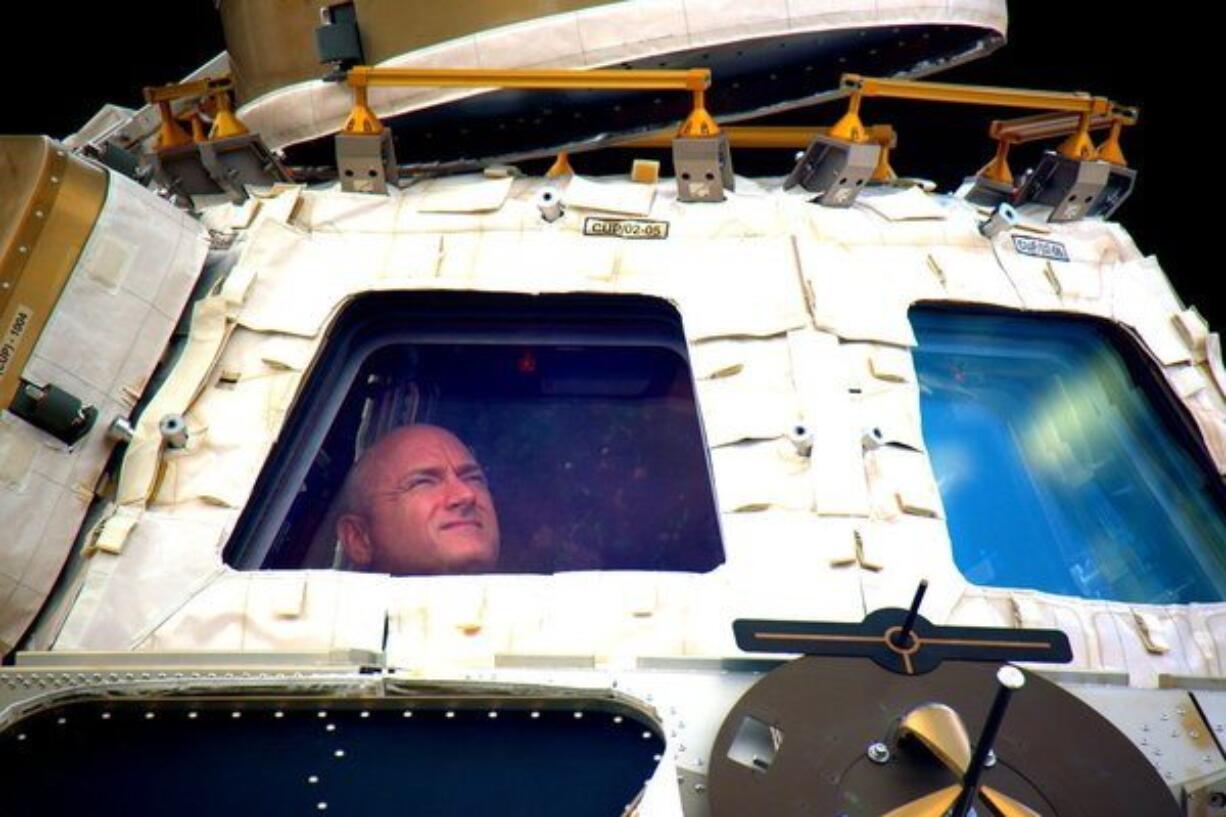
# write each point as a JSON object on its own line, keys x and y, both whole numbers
{"x": 101, "y": 344}
{"x": 800, "y": 346}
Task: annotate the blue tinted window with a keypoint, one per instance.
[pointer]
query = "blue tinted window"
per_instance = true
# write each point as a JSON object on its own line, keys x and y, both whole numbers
{"x": 1061, "y": 462}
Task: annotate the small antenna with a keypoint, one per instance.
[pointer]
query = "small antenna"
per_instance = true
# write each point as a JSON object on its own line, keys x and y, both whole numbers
{"x": 902, "y": 638}
{"x": 1009, "y": 680}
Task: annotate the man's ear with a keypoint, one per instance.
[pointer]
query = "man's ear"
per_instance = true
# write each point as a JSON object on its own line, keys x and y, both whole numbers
{"x": 354, "y": 534}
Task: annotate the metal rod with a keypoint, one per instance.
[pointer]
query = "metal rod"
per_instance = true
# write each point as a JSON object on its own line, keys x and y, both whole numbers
{"x": 1010, "y": 679}
{"x": 903, "y": 637}
{"x": 974, "y": 94}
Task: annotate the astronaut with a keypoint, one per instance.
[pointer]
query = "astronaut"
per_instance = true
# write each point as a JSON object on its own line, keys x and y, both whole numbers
{"x": 417, "y": 503}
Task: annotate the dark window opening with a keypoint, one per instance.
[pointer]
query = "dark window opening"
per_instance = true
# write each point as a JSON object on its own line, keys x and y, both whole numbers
{"x": 579, "y": 410}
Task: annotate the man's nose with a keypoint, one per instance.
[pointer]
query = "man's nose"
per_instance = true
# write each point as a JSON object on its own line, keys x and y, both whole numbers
{"x": 459, "y": 492}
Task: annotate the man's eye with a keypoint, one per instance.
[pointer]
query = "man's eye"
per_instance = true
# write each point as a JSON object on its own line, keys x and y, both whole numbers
{"x": 475, "y": 478}
{"x": 418, "y": 482}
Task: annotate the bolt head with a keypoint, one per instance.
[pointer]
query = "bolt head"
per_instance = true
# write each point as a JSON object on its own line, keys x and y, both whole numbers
{"x": 1011, "y": 677}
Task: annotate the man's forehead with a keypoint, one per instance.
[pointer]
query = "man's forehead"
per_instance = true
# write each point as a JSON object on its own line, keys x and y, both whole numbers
{"x": 427, "y": 448}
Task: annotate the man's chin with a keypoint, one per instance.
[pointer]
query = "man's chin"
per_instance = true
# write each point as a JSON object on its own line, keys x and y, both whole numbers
{"x": 468, "y": 554}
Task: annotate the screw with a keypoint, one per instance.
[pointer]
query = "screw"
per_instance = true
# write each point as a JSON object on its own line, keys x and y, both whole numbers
{"x": 990, "y": 760}
{"x": 878, "y": 753}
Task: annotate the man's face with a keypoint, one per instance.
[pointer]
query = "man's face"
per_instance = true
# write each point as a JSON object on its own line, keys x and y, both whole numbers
{"x": 428, "y": 508}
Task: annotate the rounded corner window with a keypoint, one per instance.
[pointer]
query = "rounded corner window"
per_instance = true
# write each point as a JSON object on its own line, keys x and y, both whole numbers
{"x": 1064, "y": 460}
{"x": 469, "y": 433}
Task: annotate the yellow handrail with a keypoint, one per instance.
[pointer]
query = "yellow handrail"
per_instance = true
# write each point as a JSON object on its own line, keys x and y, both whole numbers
{"x": 362, "y": 120}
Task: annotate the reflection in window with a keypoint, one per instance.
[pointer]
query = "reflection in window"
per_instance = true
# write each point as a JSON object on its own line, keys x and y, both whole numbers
{"x": 553, "y": 433}
{"x": 1061, "y": 462}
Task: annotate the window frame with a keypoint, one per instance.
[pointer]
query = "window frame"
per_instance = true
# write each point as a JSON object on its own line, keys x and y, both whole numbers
{"x": 371, "y": 321}
{"x": 1144, "y": 370}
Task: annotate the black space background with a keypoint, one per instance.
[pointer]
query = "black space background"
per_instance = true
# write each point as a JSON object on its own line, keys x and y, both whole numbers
{"x": 62, "y": 62}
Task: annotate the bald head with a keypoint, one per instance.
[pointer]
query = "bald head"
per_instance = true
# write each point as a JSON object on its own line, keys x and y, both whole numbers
{"x": 417, "y": 503}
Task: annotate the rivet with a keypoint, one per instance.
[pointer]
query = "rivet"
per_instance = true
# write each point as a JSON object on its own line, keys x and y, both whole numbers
{"x": 493, "y": 715}
{"x": 192, "y": 715}
{"x": 618, "y": 719}
{"x": 278, "y": 714}
{"x": 149, "y": 716}
{"x": 236, "y": 715}
{"x": 656, "y": 758}
{"x": 23, "y": 249}
{"x": 878, "y": 752}
{"x": 406, "y": 714}
{"x": 38, "y": 214}
{"x": 22, "y": 736}
{"x": 698, "y": 787}
{"x": 339, "y": 753}
{"x": 61, "y": 721}
{"x": 321, "y": 715}
{"x": 646, "y": 735}
{"x": 313, "y": 779}
{"x": 364, "y": 714}
{"x": 536, "y": 715}
{"x": 321, "y": 805}
{"x": 578, "y": 715}
{"x": 55, "y": 179}
{"x": 1165, "y": 716}
{"x": 449, "y": 715}
{"x": 331, "y": 727}
{"x": 106, "y": 716}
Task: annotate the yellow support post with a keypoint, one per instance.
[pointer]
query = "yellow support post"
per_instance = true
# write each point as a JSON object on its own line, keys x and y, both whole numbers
{"x": 560, "y": 167}
{"x": 362, "y": 120}
{"x": 699, "y": 123}
{"x": 225, "y": 123}
{"x": 1110, "y": 150}
{"x": 849, "y": 128}
{"x": 1079, "y": 145}
{"x": 196, "y": 121}
{"x": 170, "y": 132}
{"x": 998, "y": 169}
